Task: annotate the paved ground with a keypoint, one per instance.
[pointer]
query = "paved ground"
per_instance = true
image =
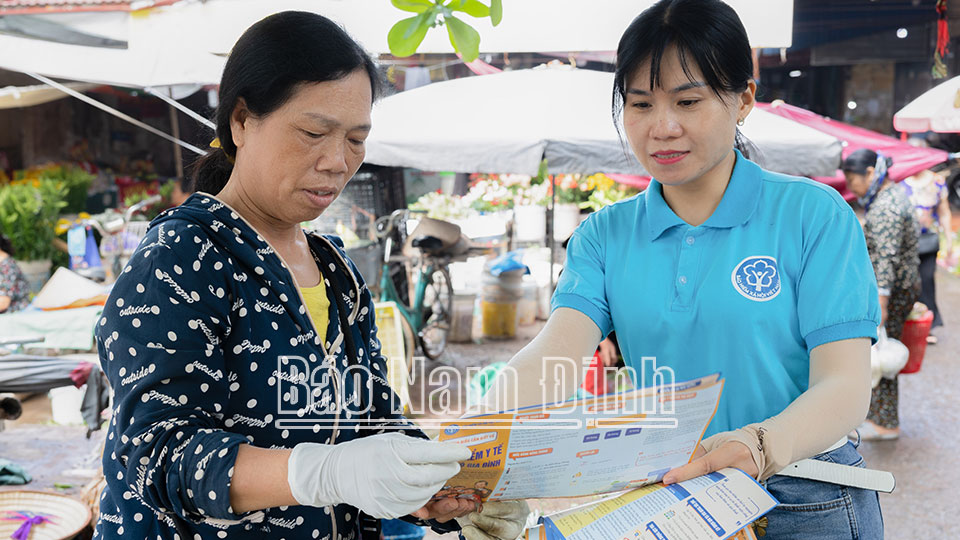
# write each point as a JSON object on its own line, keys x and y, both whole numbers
{"x": 924, "y": 459}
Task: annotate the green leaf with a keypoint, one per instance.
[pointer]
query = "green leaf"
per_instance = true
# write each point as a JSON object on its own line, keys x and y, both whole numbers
{"x": 464, "y": 38}
{"x": 413, "y": 6}
{"x": 496, "y": 11}
{"x": 406, "y": 35}
{"x": 472, "y": 7}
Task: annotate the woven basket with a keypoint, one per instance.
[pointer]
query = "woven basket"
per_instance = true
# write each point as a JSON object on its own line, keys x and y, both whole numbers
{"x": 68, "y": 516}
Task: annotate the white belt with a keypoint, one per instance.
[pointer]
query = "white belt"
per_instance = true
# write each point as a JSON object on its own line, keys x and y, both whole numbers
{"x": 844, "y": 475}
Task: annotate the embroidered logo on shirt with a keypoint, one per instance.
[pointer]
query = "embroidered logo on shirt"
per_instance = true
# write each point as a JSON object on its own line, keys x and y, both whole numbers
{"x": 757, "y": 278}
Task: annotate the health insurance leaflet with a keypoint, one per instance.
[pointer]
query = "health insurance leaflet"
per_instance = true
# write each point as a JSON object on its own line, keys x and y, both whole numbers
{"x": 589, "y": 446}
{"x": 716, "y": 506}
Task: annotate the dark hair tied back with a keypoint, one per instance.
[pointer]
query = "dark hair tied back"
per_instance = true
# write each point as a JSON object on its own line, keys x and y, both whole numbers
{"x": 266, "y": 65}
{"x": 6, "y": 245}
{"x": 860, "y": 160}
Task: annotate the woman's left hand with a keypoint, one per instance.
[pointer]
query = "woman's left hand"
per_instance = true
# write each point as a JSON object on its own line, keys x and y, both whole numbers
{"x": 444, "y": 510}
{"x": 729, "y": 454}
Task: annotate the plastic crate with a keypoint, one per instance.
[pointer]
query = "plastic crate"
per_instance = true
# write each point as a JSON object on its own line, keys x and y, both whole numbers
{"x": 372, "y": 192}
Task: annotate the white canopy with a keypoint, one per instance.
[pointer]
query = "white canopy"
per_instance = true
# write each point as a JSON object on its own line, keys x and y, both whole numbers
{"x": 937, "y": 109}
{"x": 13, "y": 97}
{"x": 186, "y": 42}
{"x": 508, "y": 122}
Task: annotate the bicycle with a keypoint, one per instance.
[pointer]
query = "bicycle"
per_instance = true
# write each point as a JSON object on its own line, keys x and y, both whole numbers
{"x": 427, "y": 310}
{"x": 119, "y": 238}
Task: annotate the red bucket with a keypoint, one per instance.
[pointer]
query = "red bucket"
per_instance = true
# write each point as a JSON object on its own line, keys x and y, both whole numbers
{"x": 595, "y": 381}
{"x": 915, "y": 338}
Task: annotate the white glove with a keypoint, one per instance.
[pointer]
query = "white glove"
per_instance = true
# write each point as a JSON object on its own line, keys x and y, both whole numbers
{"x": 386, "y": 476}
{"x": 497, "y": 520}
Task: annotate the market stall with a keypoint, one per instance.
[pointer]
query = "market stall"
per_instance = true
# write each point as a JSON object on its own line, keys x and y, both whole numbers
{"x": 508, "y": 122}
{"x": 907, "y": 159}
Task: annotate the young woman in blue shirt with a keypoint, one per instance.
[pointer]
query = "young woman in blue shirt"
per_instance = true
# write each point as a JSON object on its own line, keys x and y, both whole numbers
{"x": 722, "y": 266}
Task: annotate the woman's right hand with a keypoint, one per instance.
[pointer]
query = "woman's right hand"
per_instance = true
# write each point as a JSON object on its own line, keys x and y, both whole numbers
{"x": 386, "y": 476}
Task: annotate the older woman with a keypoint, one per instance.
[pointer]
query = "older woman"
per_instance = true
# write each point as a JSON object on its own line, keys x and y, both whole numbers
{"x": 14, "y": 290}
{"x": 251, "y": 394}
{"x": 891, "y": 232}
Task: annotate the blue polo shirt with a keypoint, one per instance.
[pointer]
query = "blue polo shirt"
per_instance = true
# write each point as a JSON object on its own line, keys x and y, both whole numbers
{"x": 779, "y": 268}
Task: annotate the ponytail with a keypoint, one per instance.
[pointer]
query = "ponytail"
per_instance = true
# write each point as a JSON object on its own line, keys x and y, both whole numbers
{"x": 748, "y": 148}
{"x": 211, "y": 172}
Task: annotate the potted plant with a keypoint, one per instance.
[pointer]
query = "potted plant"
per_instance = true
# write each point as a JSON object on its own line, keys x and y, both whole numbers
{"x": 28, "y": 217}
{"x": 604, "y": 191}
{"x": 570, "y": 191}
{"x": 530, "y": 212}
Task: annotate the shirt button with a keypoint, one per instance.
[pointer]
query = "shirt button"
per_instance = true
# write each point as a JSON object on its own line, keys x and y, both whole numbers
{"x": 683, "y": 280}
{"x": 691, "y": 240}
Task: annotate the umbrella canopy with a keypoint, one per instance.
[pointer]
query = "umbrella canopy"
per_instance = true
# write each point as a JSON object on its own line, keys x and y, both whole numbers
{"x": 186, "y": 43}
{"x": 507, "y": 122}
{"x": 907, "y": 159}
{"x": 937, "y": 109}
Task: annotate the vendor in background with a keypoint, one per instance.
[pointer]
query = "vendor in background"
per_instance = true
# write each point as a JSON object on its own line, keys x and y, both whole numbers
{"x": 14, "y": 289}
{"x": 928, "y": 194}
{"x": 891, "y": 233}
{"x": 722, "y": 266}
{"x": 182, "y": 189}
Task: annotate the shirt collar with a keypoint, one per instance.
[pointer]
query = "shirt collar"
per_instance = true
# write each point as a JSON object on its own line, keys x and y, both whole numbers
{"x": 737, "y": 205}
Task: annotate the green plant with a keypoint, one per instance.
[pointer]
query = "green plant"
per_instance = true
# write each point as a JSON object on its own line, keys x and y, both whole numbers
{"x": 407, "y": 35}
{"x": 77, "y": 182}
{"x": 153, "y": 210}
{"x": 28, "y": 216}
{"x": 603, "y": 197}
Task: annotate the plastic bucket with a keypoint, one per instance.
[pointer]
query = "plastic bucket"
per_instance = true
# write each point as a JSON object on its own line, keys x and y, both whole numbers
{"x": 461, "y": 329}
{"x": 527, "y": 305}
{"x": 915, "y": 338}
{"x": 65, "y": 404}
{"x": 595, "y": 381}
{"x": 395, "y": 529}
{"x": 499, "y": 298}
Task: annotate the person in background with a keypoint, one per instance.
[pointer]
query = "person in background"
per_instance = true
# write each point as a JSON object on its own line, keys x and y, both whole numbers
{"x": 891, "y": 233}
{"x": 928, "y": 194}
{"x": 14, "y": 289}
{"x": 182, "y": 190}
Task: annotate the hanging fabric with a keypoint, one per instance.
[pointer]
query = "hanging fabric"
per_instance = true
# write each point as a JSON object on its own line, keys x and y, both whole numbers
{"x": 943, "y": 40}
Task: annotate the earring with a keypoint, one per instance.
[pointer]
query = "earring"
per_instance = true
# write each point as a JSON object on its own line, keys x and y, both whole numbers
{"x": 740, "y": 122}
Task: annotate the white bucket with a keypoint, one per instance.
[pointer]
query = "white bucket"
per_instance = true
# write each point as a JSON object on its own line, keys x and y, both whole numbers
{"x": 527, "y": 306}
{"x": 65, "y": 403}
{"x": 36, "y": 273}
{"x": 566, "y": 217}
{"x": 461, "y": 329}
{"x": 530, "y": 223}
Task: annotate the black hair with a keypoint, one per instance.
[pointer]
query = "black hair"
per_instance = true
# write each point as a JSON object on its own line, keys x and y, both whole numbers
{"x": 266, "y": 66}
{"x": 708, "y": 33}
{"x": 186, "y": 183}
{"x": 6, "y": 245}
{"x": 860, "y": 160}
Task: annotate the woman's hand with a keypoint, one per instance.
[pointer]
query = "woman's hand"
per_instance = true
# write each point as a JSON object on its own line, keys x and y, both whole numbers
{"x": 444, "y": 510}
{"x": 406, "y": 475}
{"x": 608, "y": 353}
{"x": 729, "y": 454}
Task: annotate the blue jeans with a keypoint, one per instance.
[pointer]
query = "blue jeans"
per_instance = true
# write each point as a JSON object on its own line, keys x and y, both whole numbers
{"x": 817, "y": 510}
